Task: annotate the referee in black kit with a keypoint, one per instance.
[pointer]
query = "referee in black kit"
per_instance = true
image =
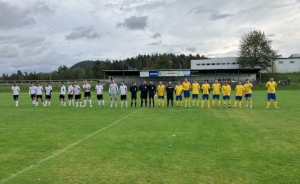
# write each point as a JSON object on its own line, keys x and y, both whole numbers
{"x": 133, "y": 89}
{"x": 144, "y": 93}
{"x": 151, "y": 89}
{"x": 170, "y": 93}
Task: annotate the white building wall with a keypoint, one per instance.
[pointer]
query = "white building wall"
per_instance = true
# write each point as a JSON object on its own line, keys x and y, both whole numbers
{"x": 214, "y": 63}
{"x": 286, "y": 65}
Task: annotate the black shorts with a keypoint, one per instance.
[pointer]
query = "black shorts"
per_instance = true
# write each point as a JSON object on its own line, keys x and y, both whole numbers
{"x": 143, "y": 95}
{"x": 70, "y": 96}
{"x": 48, "y": 97}
{"x": 133, "y": 96}
{"x": 151, "y": 96}
{"x": 87, "y": 94}
{"x": 32, "y": 96}
{"x": 78, "y": 97}
{"x": 39, "y": 96}
{"x": 62, "y": 96}
{"x": 100, "y": 97}
{"x": 170, "y": 97}
{"x": 16, "y": 97}
{"x": 123, "y": 97}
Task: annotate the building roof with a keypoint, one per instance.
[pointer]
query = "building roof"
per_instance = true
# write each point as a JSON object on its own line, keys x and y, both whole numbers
{"x": 203, "y": 71}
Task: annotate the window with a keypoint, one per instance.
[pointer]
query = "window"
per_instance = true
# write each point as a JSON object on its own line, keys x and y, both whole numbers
{"x": 233, "y": 63}
{"x": 203, "y": 64}
{"x": 218, "y": 63}
{"x": 280, "y": 62}
{"x": 198, "y": 64}
{"x": 292, "y": 62}
{"x": 227, "y": 63}
{"x": 213, "y": 64}
{"x": 207, "y": 63}
{"x": 223, "y": 64}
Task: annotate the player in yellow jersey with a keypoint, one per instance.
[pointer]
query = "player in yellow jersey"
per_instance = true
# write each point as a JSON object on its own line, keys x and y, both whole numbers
{"x": 271, "y": 87}
{"x": 239, "y": 90}
{"x": 226, "y": 89}
{"x": 205, "y": 93}
{"x": 186, "y": 92}
{"x": 195, "y": 92}
{"x": 216, "y": 87}
{"x": 178, "y": 93}
{"x": 248, "y": 93}
{"x": 161, "y": 90}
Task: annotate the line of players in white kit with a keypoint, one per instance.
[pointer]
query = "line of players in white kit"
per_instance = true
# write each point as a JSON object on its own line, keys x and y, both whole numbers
{"x": 36, "y": 94}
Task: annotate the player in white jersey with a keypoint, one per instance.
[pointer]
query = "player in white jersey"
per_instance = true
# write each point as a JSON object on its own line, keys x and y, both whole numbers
{"x": 99, "y": 93}
{"x": 62, "y": 94}
{"x": 70, "y": 94}
{"x": 39, "y": 94}
{"x": 77, "y": 92}
{"x": 32, "y": 91}
{"x": 87, "y": 92}
{"x": 15, "y": 92}
{"x": 123, "y": 91}
{"x": 113, "y": 91}
{"x": 48, "y": 92}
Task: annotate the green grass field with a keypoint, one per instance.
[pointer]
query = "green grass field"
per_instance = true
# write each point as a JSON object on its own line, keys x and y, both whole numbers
{"x": 150, "y": 145}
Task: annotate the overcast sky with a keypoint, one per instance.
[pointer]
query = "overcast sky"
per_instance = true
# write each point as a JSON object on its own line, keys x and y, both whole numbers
{"x": 42, "y": 35}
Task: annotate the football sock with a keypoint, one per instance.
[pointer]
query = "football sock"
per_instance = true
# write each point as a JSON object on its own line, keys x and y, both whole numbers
{"x": 208, "y": 103}
{"x": 268, "y": 104}
{"x": 84, "y": 102}
{"x": 49, "y": 103}
{"x": 180, "y": 103}
{"x": 158, "y": 102}
{"x": 162, "y": 103}
{"x": 193, "y": 102}
{"x": 247, "y": 102}
{"x": 99, "y": 103}
{"x": 103, "y": 102}
{"x": 80, "y": 104}
{"x": 111, "y": 103}
{"x": 185, "y": 101}
{"x": 229, "y": 102}
{"x": 213, "y": 103}
{"x": 116, "y": 103}
{"x": 235, "y": 102}
{"x": 64, "y": 103}
{"x": 76, "y": 103}
{"x": 126, "y": 103}
{"x": 176, "y": 103}
{"x": 251, "y": 102}
{"x": 69, "y": 102}
{"x": 90, "y": 102}
{"x": 224, "y": 102}
{"x": 202, "y": 103}
{"x": 240, "y": 103}
{"x": 73, "y": 102}
{"x": 189, "y": 101}
{"x": 121, "y": 103}
{"x": 219, "y": 102}
{"x": 197, "y": 102}
{"x": 275, "y": 104}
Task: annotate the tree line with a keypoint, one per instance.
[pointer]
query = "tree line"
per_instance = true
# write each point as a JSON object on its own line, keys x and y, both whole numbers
{"x": 94, "y": 69}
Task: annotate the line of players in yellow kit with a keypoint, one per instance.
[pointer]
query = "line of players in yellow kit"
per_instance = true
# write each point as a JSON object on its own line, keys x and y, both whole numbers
{"x": 240, "y": 91}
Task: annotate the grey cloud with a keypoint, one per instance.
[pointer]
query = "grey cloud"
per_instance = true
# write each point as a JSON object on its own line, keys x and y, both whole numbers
{"x": 8, "y": 52}
{"x": 146, "y": 6}
{"x": 191, "y": 49}
{"x": 156, "y": 43}
{"x": 83, "y": 32}
{"x": 12, "y": 16}
{"x": 219, "y": 16}
{"x": 271, "y": 35}
{"x": 40, "y": 7}
{"x": 22, "y": 41}
{"x": 135, "y": 23}
{"x": 201, "y": 9}
{"x": 156, "y": 35}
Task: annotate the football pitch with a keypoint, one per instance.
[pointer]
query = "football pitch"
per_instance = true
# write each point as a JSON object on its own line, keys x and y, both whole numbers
{"x": 150, "y": 145}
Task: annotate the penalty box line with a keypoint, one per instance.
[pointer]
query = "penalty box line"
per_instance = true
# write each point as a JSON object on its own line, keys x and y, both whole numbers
{"x": 63, "y": 150}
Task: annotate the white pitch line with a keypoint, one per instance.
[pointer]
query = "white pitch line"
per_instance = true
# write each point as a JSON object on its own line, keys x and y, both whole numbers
{"x": 63, "y": 150}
